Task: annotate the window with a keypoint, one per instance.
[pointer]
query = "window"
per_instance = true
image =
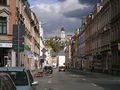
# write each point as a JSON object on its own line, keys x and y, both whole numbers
{"x": 19, "y": 77}
{"x": 3, "y": 2}
{"x": 3, "y": 25}
{"x": 9, "y": 83}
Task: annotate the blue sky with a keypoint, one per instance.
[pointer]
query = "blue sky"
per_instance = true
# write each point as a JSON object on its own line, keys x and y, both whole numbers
{"x": 32, "y": 2}
{"x": 54, "y": 1}
{"x": 61, "y": 13}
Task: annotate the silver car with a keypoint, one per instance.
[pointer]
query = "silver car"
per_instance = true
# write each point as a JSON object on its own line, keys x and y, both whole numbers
{"x": 21, "y": 77}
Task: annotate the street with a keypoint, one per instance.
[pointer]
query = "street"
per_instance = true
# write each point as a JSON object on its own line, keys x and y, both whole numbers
{"x": 80, "y": 81}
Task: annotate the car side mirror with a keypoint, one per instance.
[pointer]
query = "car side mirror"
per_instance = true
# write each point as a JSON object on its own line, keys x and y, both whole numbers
{"x": 35, "y": 83}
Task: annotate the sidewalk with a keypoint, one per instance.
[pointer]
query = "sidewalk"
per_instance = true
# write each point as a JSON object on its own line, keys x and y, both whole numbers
{"x": 37, "y": 72}
{"x": 89, "y": 73}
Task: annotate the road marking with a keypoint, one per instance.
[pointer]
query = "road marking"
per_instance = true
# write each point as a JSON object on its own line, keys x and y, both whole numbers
{"x": 48, "y": 89}
{"x": 118, "y": 80}
{"x": 84, "y": 79}
{"x": 49, "y": 81}
{"x": 93, "y": 84}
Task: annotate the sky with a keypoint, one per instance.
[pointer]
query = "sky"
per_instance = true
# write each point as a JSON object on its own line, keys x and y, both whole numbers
{"x": 55, "y": 14}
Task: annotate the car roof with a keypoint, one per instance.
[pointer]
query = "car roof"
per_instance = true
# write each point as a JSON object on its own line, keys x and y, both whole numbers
{"x": 13, "y": 69}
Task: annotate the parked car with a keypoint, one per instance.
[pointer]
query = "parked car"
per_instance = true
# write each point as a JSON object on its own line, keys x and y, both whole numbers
{"x": 21, "y": 77}
{"x": 48, "y": 69}
{"x": 6, "y": 83}
{"x": 61, "y": 68}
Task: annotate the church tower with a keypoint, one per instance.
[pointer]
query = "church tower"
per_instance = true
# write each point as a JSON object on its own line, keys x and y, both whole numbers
{"x": 62, "y": 35}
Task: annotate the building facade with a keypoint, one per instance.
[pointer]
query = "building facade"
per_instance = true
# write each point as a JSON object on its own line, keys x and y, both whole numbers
{"x": 81, "y": 45}
{"x": 68, "y": 52}
{"x": 94, "y": 38}
{"x": 88, "y": 42}
{"x": 18, "y": 12}
{"x": 115, "y": 38}
{"x": 104, "y": 33}
{"x": 7, "y": 19}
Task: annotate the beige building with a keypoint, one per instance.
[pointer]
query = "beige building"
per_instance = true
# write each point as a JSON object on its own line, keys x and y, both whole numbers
{"x": 100, "y": 34}
{"x": 94, "y": 39}
{"x": 88, "y": 41}
{"x": 7, "y": 19}
{"x": 18, "y": 12}
{"x": 115, "y": 35}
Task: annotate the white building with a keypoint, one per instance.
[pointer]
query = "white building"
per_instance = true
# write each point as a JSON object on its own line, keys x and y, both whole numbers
{"x": 48, "y": 56}
{"x": 41, "y": 43}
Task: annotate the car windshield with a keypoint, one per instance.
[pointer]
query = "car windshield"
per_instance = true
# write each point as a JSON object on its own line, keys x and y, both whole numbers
{"x": 19, "y": 77}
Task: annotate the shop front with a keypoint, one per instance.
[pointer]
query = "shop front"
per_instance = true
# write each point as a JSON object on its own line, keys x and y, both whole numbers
{"x": 5, "y": 54}
{"x": 115, "y": 47}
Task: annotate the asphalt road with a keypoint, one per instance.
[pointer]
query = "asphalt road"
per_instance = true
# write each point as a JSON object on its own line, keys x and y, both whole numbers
{"x": 78, "y": 81}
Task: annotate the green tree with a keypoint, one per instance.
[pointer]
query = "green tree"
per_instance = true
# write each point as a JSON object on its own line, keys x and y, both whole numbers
{"x": 54, "y": 43}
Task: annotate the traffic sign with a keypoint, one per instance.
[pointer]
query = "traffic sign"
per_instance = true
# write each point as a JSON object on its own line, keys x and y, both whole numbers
{"x": 44, "y": 56}
{"x": 30, "y": 54}
{"x": 43, "y": 50}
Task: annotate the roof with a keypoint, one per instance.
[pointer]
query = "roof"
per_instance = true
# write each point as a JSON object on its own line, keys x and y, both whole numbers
{"x": 12, "y": 69}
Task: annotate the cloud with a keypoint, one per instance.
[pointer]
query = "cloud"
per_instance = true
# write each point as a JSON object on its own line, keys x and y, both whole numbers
{"x": 89, "y": 2}
{"x": 78, "y": 13}
{"x": 65, "y": 13}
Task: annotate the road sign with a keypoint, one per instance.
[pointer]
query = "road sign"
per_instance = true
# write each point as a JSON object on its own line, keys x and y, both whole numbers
{"x": 18, "y": 37}
{"x": 44, "y": 56}
{"x": 43, "y": 50}
{"x": 30, "y": 54}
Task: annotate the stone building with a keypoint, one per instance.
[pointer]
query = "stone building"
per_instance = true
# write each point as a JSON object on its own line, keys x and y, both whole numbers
{"x": 68, "y": 51}
{"x": 100, "y": 34}
{"x": 18, "y": 12}
{"x": 94, "y": 38}
{"x": 88, "y": 42}
{"x": 81, "y": 44}
{"x": 74, "y": 50}
{"x": 115, "y": 35}
{"x": 7, "y": 19}
{"x": 104, "y": 33}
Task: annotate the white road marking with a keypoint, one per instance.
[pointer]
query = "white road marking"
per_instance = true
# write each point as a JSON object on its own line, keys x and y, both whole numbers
{"x": 93, "y": 84}
{"x": 118, "y": 80}
{"x": 84, "y": 79}
{"x": 49, "y": 81}
{"x": 46, "y": 89}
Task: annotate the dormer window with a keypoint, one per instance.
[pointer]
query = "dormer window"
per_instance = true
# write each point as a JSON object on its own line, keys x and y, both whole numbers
{"x": 3, "y": 2}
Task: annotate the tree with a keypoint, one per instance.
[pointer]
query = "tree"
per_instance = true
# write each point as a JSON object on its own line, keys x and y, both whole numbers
{"x": 54, "y": 43}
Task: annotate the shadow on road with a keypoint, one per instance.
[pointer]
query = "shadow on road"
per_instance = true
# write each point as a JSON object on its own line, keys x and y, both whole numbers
{"x": 108, "y": 82}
